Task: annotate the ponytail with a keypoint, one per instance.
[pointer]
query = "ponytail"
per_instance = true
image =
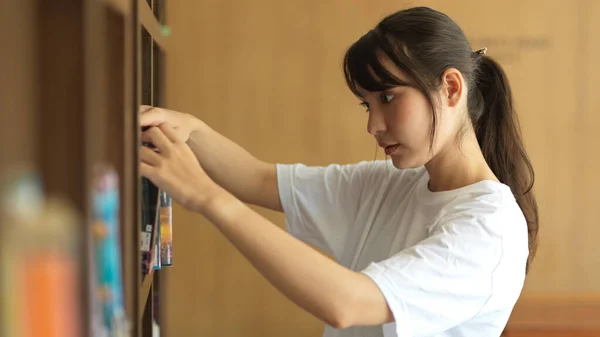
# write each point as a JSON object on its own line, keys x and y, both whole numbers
{"x": 499, "y": 135}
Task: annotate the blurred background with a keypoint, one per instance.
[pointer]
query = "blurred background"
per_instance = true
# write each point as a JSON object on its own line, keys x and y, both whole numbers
{"x": 266, "y": 74}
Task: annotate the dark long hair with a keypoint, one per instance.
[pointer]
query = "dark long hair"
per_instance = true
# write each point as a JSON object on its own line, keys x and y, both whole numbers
{"x": 424, "y": 43}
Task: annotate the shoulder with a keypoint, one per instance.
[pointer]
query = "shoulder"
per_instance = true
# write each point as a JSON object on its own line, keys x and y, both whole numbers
{"x": 486, "y": 201}
{"x": 487, "y": 212}
{"x": 372, "y": 172}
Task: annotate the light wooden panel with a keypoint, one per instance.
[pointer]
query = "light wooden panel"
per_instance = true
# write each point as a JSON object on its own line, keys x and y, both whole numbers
{"x": 557, "y": 313}
{"x": 268, "y": 75}
{"x": 557, "y": 333}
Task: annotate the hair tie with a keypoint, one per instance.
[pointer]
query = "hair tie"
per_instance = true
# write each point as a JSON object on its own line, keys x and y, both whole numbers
{"x": 481, "y": 52}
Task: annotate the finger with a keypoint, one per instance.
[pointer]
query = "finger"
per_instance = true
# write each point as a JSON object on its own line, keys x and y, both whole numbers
{"x": 147, "y": 171}
{"x": 145, "y": 108}
{"x": 169, "y": 131}
{"x": 149, "y": 156}
{"x": 151, "y": 116}
{"x": 155, "y": 136}
{"x": 145, "y": 136}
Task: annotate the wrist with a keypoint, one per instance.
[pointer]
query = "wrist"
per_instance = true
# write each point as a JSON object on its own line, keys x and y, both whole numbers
{"x": 204, "y": 196}
{"x": 219, "y": 205}
{"x": 197, "y": 127}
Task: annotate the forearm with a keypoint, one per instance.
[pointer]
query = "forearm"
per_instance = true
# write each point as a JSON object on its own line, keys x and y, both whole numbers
{"x": 321, "y": 286}
{"x": 234, "y": 168}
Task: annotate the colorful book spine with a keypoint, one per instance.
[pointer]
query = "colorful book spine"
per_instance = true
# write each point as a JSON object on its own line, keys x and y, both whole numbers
{"x": 166, "y": 229}
{"x": 107, "y": 250}
{"x": 157, "y": 247}
{"x": 148, "y": 235}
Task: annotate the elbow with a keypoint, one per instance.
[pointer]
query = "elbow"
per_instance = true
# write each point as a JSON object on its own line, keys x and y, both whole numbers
{"x": 362, "y": 304}
{"x": 357, "y": 309}
{"x": 338, "y": 323}
{"x": 340, "y": 318}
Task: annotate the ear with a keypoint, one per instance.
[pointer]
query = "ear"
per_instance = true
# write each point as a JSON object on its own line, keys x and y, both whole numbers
{"x": 452, "y": 86}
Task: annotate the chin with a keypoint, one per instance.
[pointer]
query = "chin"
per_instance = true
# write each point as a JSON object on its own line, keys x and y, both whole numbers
{"x": 403, "y": 163}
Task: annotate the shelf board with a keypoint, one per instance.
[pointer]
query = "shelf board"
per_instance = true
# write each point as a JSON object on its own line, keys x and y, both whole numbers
{"x": 151, "y": 24}
{"x": 145, "y": 293}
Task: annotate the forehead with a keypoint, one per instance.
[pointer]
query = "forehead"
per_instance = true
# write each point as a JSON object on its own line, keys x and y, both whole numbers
{"x": 390, "y": 67}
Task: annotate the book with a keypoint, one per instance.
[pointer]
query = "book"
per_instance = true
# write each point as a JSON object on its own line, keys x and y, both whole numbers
{"x": 157, "y": 246}
{"x": 107, "y": 254}
{"x": 150, "y": 193}
{"x": 166, "y": 229}
{"x": 40, "y": 258}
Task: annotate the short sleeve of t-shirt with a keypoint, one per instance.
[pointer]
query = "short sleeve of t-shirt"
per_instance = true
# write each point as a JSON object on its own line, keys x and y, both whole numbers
{"x": 321, "y": 202}
{"x": 445, "y": 279}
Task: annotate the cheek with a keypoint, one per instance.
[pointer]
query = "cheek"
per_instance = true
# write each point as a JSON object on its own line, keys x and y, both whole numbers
{"x": 411, "y": 120}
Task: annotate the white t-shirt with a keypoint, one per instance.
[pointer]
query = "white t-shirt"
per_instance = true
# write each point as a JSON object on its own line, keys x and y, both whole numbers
{"x": 448, "y": 263}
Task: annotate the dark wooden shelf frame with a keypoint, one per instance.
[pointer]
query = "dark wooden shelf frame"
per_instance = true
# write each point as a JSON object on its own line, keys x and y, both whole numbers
{"x": 71, "y": 99}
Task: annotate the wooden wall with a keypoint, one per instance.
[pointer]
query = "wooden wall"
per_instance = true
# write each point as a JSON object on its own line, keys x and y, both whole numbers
{"x": 268, "y": 75}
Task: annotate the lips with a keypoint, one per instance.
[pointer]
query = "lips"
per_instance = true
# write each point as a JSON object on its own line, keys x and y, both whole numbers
{"x": 391, "y": 149}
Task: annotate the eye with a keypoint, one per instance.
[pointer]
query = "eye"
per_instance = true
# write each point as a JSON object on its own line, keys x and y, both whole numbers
{"x": 386, "y": 98}
{"x": 365, "y": 105}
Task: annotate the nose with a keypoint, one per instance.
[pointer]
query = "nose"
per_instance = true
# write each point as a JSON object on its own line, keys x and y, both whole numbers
{"x": 376, "y": 124}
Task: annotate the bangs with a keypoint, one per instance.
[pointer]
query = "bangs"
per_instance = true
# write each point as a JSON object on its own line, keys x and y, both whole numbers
{"x": 363, "y": 67}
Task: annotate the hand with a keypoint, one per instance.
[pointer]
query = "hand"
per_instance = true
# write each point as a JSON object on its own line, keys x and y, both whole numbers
{"x": 183, "y": 124}
{"x": 174, "y": 169}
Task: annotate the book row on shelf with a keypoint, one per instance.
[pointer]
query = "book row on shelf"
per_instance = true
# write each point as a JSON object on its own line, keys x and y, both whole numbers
{"x": 42, "y": 247}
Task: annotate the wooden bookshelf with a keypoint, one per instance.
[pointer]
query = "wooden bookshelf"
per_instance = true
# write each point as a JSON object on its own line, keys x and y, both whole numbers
{"x": 69, "y": 96}
{"x": 152, "y": 44}
{"x": 149, "y": 20}
{"x": 121, "y": 6}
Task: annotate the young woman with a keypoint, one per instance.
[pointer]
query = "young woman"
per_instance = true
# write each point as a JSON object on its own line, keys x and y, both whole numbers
{"x": 437, "y": 246}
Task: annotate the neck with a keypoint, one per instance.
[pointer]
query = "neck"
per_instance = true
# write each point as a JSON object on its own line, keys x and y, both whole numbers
{"x": 455, "y": 167}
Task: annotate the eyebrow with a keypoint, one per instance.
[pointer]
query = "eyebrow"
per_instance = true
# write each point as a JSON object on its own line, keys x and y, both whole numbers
{"x": 400, "y": 83}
